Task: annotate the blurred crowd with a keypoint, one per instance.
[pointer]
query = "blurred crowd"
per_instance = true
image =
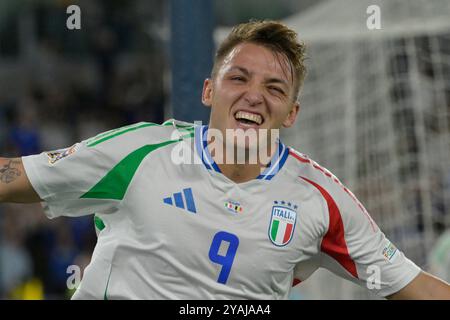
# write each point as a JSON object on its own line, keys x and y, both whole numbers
{"x": 60, "y": 87}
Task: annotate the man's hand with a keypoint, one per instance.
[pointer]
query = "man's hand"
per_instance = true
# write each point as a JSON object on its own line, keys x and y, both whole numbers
{"x": 14, "y": 183}
{"x": 424, "y": 287}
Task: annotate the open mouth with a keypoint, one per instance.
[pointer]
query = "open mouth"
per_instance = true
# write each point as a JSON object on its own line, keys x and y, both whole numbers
{"x": 248, "y": 118}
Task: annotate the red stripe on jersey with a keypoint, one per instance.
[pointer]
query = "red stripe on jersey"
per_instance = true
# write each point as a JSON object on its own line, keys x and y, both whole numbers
{"x": 361, "y": 207}
{"x": 329, "y": 175}
{"x": 298, "y": 157}
{"x": 296, "y": 282}
{"x": 333, "y": 242}
{"x": 318, "y": 167}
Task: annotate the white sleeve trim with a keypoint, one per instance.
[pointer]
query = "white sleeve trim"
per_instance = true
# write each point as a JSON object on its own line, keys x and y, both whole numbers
{"x": 403, "y": 282}
{"x": 37, "y": 183}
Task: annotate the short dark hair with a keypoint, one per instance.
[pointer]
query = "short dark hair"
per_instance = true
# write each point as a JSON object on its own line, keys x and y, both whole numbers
{"x": 275, "y": 36}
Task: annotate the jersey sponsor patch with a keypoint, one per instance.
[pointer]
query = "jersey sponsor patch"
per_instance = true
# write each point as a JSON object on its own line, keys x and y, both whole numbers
{"x": 389, "y": 251}
{"x": 282, "y": 223}
{"x": 55, "y": 156}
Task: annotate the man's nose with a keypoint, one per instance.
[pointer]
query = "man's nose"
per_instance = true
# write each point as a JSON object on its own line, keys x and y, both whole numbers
{"x": 253, "y": 96}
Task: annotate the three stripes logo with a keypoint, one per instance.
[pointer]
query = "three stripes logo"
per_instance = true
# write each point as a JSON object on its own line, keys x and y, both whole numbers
{"x": 182, "y": 200}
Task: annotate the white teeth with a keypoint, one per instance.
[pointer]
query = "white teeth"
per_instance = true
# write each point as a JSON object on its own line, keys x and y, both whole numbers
{"x": 249, "y": 116}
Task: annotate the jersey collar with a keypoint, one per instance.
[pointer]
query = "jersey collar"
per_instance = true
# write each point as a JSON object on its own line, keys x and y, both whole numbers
{"x": 201, "y": 145}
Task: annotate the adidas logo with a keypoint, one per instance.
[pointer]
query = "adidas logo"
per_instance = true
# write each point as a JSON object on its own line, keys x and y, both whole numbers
{"x": 183, "y": 200}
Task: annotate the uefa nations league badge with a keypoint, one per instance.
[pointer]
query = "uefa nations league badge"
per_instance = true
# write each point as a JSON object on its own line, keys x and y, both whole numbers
{"x": 282, "y": 222}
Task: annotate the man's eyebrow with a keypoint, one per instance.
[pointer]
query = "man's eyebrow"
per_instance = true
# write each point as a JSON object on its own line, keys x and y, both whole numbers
{"x": 276, "y": 80}
{"x": 242, "y": 69}
{"x": 247, "y": 73}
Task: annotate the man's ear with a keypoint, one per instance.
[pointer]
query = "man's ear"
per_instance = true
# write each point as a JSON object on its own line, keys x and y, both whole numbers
{"x": 292, "y": 115}
{"x": 207, "y": 92}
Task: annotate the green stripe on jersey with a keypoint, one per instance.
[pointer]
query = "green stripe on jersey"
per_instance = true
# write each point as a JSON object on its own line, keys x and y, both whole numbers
{"x": 115, "y": 183}
{"x": 102, "y": 137}
{"x": 99, "y": 224}
{"x": 172, "y": 122}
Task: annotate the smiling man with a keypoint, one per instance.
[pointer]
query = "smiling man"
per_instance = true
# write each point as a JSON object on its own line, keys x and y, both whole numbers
{"x": 215, "y": 229}
{"x": 253, "y": 88}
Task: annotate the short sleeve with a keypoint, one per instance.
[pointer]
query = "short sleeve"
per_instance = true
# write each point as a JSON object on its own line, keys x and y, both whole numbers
{"x": 354, "y": 247}
{"x": 62, "y": 177}
{"x": 93, "y": 175}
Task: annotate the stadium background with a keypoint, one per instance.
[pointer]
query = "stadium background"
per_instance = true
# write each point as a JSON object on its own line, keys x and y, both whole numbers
{"x": 375, "y": 111}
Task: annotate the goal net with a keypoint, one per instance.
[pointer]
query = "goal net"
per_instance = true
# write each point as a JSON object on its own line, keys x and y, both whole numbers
{"x": 375, "y": 110}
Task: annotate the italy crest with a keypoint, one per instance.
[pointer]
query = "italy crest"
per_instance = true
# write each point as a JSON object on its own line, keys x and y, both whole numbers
{"x": 282, "y": 223}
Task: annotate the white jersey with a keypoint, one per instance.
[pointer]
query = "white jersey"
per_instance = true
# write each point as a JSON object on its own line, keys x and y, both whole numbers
{"x": 170, "y": 230}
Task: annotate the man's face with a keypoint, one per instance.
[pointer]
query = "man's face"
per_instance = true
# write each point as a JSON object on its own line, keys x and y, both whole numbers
{"x": 252, "y": 89}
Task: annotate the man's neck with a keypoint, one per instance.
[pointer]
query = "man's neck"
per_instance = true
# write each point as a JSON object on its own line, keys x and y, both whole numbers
{"x": 241, "y": 172}
{"x": 245, "y": 169}
{"x": 241, "y": 164}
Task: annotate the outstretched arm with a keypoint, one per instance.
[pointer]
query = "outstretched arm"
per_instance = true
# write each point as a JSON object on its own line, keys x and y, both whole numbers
{"x": 14, "y": 183}
{"x": 424, "y": 286}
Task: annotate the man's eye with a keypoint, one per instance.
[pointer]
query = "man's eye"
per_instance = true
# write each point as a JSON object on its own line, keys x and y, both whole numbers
{"x": 237, "y": 78}
{"x": 277, "y": 89}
